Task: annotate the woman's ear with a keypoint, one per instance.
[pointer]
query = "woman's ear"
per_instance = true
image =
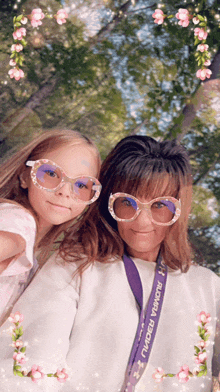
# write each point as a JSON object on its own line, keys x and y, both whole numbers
{"x": 23, "y": 180}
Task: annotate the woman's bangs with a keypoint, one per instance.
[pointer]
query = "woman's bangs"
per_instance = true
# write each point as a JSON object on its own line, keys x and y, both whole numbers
{"x": 128, "y": 185}
{"x": 159, "y": 184}
{"x": 149, "y": 185}
{"x": 147, "y": 178}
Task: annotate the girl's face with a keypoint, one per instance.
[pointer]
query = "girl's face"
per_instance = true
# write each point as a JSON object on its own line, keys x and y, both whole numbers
{"x": 54, "y": 208}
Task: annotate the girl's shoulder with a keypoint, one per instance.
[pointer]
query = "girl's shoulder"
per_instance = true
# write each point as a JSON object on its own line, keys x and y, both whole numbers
{"x": 18, "y": 220}
{"x": 13, "y": 213}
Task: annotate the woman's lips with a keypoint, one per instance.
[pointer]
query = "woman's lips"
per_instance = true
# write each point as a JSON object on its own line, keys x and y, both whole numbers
{"x": 142, "y": 232}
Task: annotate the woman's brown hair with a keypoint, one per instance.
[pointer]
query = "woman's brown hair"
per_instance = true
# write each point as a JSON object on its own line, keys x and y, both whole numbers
{"x": 138, "y": 165}
{"x": 13, "y": 168}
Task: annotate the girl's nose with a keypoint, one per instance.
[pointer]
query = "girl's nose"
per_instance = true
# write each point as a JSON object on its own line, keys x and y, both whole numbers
{"x": 65, "y": 190}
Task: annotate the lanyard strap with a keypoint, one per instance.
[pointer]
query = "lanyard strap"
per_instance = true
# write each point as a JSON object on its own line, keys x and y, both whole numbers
{"x": 148, "y": 321}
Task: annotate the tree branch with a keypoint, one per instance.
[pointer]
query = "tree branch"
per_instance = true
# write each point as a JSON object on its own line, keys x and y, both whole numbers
{"x": 205, "y": 173}
{"x": 115, "y": 21}
{"x": 137, "y": 129}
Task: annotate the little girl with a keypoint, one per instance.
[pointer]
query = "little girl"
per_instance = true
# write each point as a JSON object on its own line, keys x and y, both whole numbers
{"x": 43, "y": 188}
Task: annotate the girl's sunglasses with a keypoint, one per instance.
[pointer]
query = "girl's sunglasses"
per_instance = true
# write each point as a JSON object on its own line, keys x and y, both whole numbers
{"x": 47, "y": 175}
{"x": 163, "y": 211}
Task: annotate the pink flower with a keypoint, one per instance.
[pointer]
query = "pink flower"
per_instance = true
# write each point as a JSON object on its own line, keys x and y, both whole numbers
{"x": 36, "y": 16}
{"x": 196, "y": 20}
{"x": 16, "y": 48}
{"x": 202, "y": 47}
{"x": 10, "y": 331}
{"x": 17, "y": 344}
{"x": 184, "y": 17}
{"x": 159, "y": 16}
{"x": 24, "y": 371}
{"x": 183, "y": 375}
{"x": 208, "y": 329}
{"x": 62, "y": 376}
{"x": 200, "y": 33}
{"x": 158, "y": 374}
{"x": 17, "y": 74}
{"x": 20, "y": 358}
{"x": 204, "y": 317}
{"x": 207, "y": 63}
{"x": 202, "y": 344}
{"x": 36, "y": 373}
{"x": 19, "y": 33}
{"x": 201, "y": 358}
{"x": 17, "y": 317}
{"x": 24, "y": 20}
{"x": 61, "y": 16}
{"x": 203, "y": 74}
{"x": 196, "y": 371}
{"x": 12, "y": 63}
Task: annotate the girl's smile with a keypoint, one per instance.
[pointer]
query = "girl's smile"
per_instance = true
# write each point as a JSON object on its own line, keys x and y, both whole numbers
{"x": 62, "y": 208}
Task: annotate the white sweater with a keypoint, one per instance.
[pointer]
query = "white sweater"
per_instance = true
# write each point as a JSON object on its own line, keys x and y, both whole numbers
{"x": 87, "y": 324}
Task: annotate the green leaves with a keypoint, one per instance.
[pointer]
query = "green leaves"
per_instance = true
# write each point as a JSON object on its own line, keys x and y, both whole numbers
{"x": 200, "y": 17}
{"x": 197, "y": 350}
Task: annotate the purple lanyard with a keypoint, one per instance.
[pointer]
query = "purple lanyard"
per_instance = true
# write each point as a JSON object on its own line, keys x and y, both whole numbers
{"x": 148, "y": 321}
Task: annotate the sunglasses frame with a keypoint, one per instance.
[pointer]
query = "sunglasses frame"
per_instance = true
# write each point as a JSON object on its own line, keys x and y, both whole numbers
{"x": 144, "y": 206}
{"x": 39, "y": 162}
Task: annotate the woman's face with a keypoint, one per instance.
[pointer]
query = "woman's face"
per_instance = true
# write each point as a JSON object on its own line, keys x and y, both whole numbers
{"x": 143, "y": 237}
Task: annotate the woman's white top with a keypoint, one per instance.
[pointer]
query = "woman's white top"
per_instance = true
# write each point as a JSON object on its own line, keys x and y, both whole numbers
{"x": 87, "y": 325}
{"x": 15, "y": 278}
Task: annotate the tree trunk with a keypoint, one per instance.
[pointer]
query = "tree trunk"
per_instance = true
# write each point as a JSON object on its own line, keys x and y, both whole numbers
{"x": 201, "y": 96}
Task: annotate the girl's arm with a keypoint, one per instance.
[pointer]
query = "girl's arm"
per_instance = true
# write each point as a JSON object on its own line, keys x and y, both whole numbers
{"x": 11, "y": 246}
{"x": 17, "y": 235}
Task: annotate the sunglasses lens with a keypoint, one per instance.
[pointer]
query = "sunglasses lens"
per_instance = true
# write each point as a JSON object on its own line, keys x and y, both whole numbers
{"x": 48, "y": 176}
{"x": 86, "y": 188}
{"x": 163, "y": 211}
{"x": 125, "y": 207}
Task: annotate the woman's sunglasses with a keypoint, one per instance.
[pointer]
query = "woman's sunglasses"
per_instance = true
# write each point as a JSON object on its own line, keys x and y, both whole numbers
{"x": 163, "y": 211}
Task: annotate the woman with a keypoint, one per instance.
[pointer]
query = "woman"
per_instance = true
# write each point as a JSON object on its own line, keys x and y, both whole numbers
{"x": 95, "y": 321}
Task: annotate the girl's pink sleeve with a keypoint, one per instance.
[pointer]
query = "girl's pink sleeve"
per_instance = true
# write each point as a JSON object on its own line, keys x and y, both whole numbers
{"x": 15, "y": 219}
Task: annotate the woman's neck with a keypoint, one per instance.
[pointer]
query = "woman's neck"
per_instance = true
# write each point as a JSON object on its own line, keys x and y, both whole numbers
{"x": 147, "y": 256}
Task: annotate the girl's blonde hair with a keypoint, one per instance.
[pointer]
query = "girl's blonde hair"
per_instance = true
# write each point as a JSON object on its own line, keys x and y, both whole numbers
{"x": 13, "y": 168}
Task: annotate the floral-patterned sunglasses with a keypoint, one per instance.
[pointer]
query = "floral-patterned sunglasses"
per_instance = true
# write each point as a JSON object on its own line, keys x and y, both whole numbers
{"x": 163, "y": 211}
{"x": 47, "y": 175}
